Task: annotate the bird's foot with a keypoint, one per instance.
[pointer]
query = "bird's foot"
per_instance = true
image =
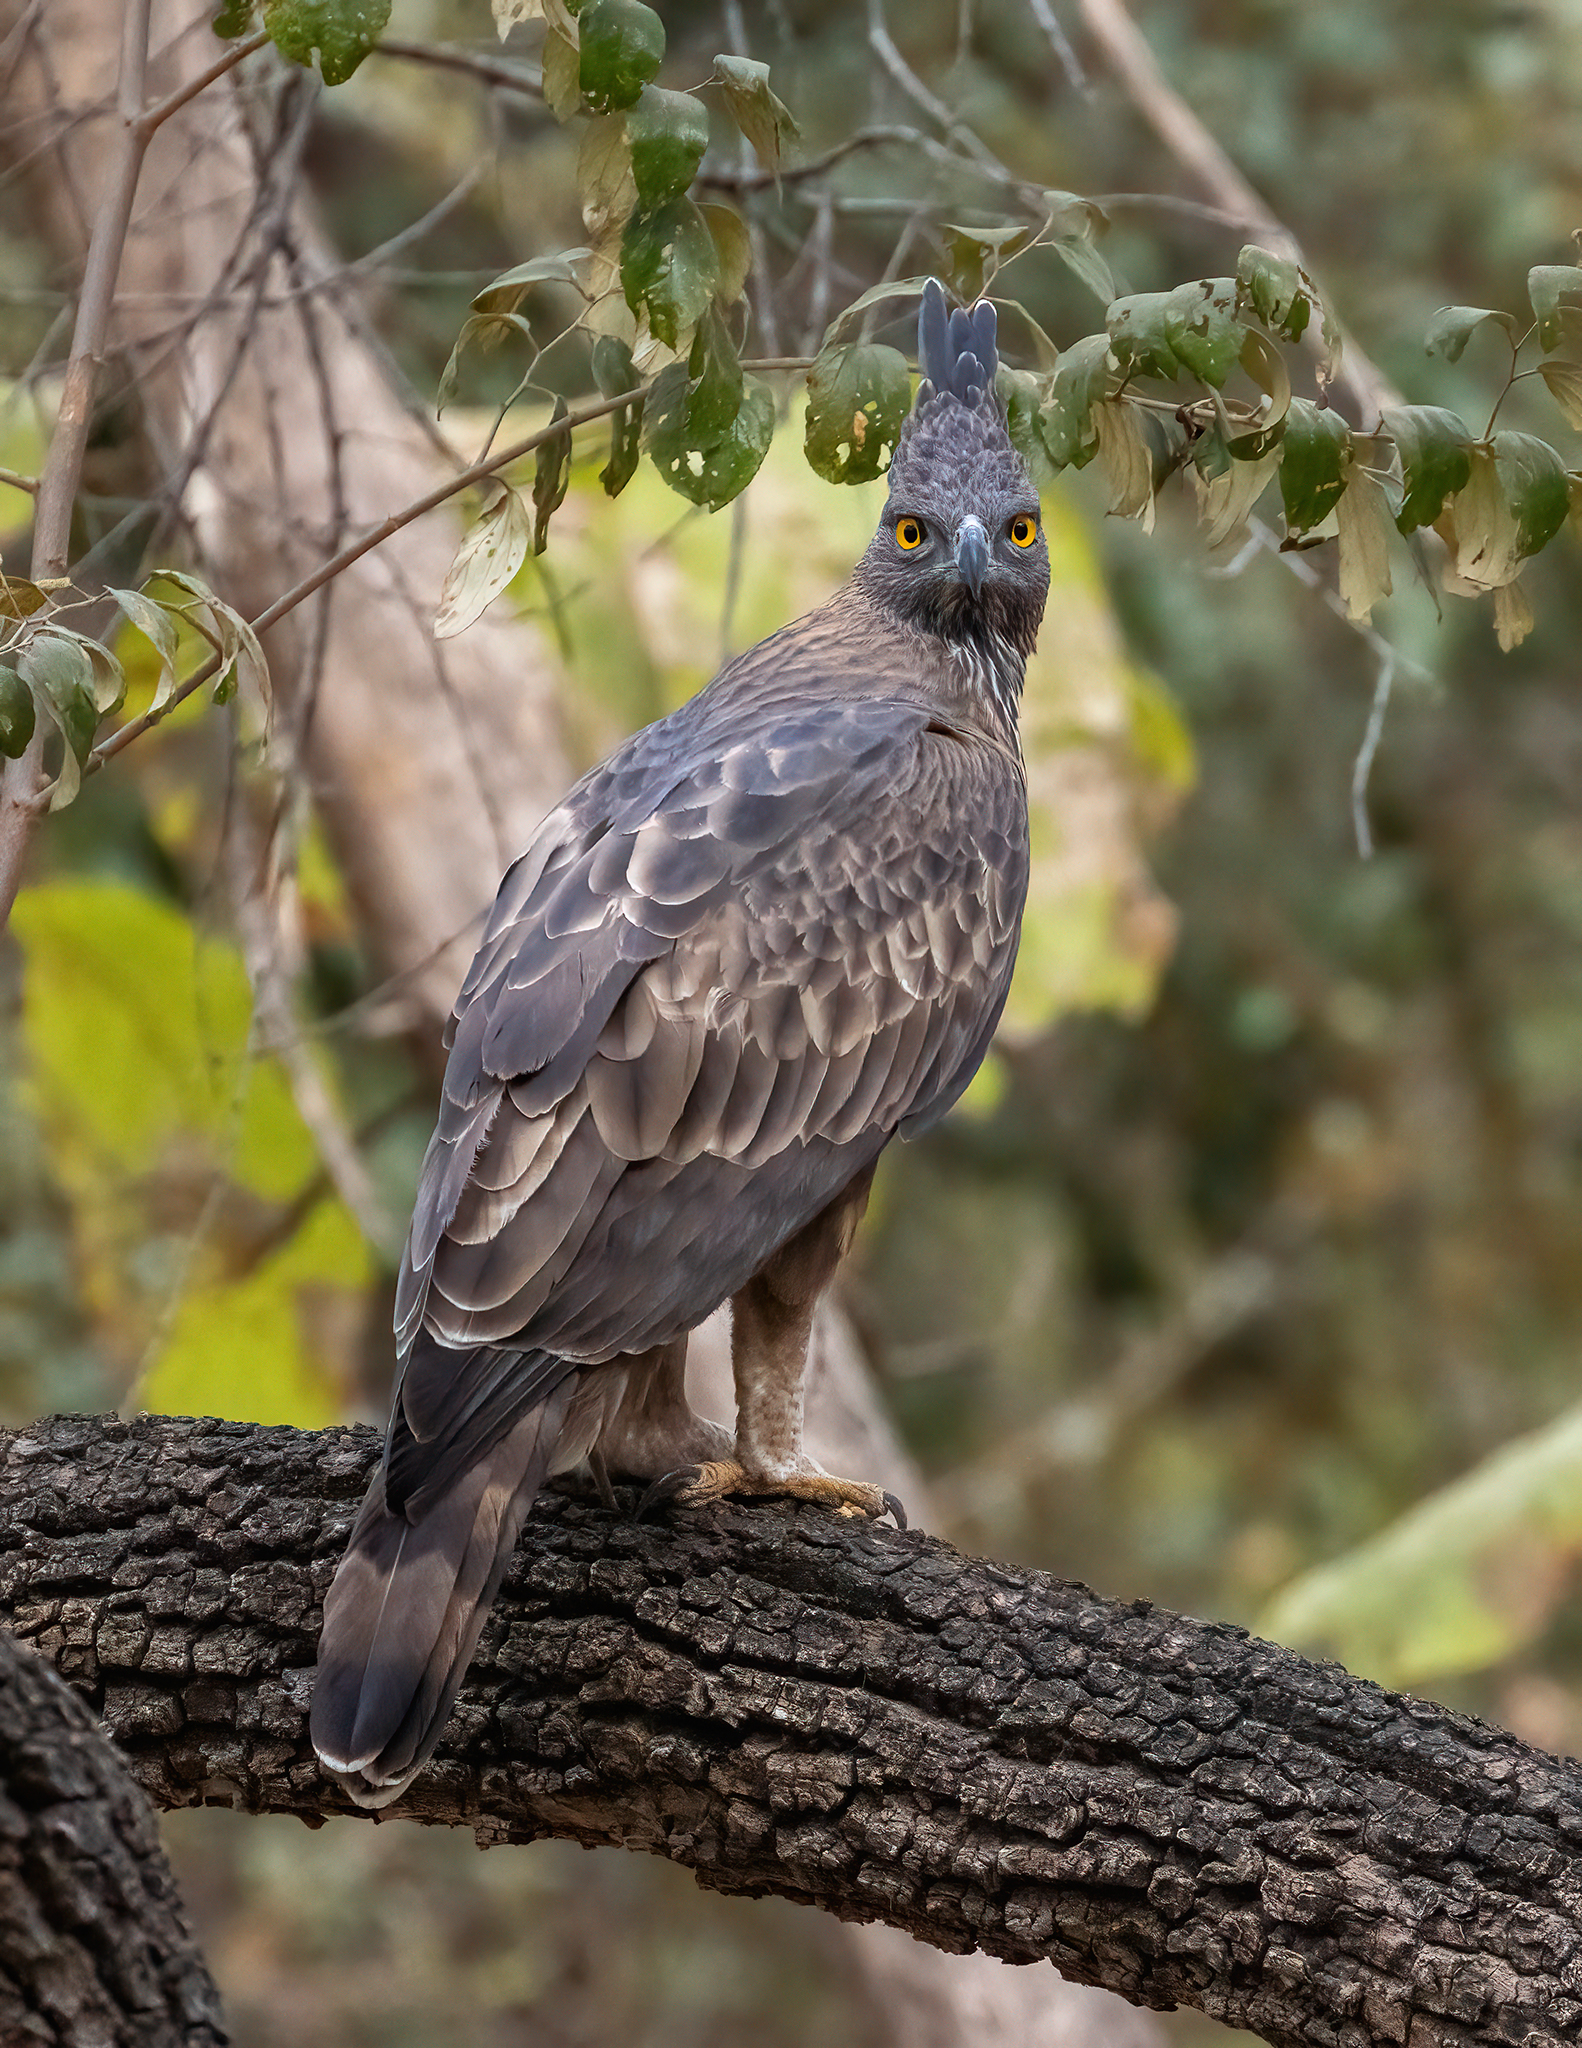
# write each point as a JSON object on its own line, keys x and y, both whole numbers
{"x": 694, "y": 1486}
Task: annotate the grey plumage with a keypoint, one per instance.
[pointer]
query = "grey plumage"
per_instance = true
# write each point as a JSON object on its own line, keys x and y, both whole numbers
{"x": 766, "y": 935}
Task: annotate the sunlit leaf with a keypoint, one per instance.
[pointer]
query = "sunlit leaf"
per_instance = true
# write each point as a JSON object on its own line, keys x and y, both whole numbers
{"x": 157, "y": 626}
{"x": 669, "y": 266}
{"x": 1363, "y": 517}
{"x": 492, "y": 550}
{"x": 342, "y": 32}
{"x": 1564, "y": 380}
{"x": 1547, "y": 286}
{"x": 668, "y": 133}
{"x": 1433, "y": 445}
{"x": 623, "y": 46}
{"x": 1452, "y": 327}
{"x": 562, "y": 75}
{"x": 1315, "y": 460}
{"x": 764, "y": 119}
{"x": 556, "y": 13}
{"x": 714, "y": 474}
{"x": 17, "y": 716}
{"x": 1279, "y": 291}
{"x": 605, "y": 184}
{"x": 858, "y": 398}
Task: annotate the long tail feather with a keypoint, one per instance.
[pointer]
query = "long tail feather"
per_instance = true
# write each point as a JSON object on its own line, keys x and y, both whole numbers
{"x": 402, "y": 1618}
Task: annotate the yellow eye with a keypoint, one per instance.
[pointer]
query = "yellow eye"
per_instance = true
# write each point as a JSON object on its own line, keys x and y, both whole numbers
{"x": 909, "y": 534}
{"x": 1023, "y": 531}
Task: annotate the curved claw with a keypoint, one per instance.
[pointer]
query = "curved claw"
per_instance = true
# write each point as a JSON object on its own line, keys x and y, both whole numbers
{"x": 897, "y": 1512}
{"x": 665, "y": 1489}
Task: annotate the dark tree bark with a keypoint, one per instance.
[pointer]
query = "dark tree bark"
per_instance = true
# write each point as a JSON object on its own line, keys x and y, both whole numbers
{"x": 93, "y": 1943}
{"x": 855, "y": 1718}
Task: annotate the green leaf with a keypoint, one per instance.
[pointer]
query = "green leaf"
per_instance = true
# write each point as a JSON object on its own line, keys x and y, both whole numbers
{"x": 341, "y": 31}
{"x": 234, "y": 19}
{"x": 1065, "y": 419}
{"x": 765, "y": 120}
{"x": 709, "y": 476}
{"x": 1533, "y": 479}
{"x": 562, "y": 74}
{"x": 1279, "y": 291}
{"x": 733, "y": 246}
{"x": 17, "y": 718}
{"x": 493, "y": 548}
{"x": 1194, "y": 327}
{"x": 714, "y": 376}
{"x": 977, "y": 253}
{"x": 669, "y": 266}
{"x": 668, "y": 133}
{"x": 1315, "y": 460}
{"x": 551, "y": 474}
{"x": 486, "y": 331}
{"x": 875, "y": 295}
{"x": 1085, "y": 263}
{"x": 1453, "y": 326}
{"x": 1018, "y": 392}
{"x": 508, "y": 290}
{"x": 857, "y": 399}
{"x": 158, "y": 627}
{"x": 1433, "y": 446}
{"x": 614, "y": 371}
{"x": 57, "y": 670}
{"x": 239, "y": 648}
{"x": 1265, "y": 366}
{"x": 623, "y": 46}
{"x": 1547, "y": 285}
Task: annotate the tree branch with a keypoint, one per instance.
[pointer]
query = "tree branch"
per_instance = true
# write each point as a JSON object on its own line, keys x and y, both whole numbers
{"x": 851, "y": 1717}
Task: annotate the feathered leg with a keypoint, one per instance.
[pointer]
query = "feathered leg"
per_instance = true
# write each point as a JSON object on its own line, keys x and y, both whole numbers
{"x": 402, "y": 1618}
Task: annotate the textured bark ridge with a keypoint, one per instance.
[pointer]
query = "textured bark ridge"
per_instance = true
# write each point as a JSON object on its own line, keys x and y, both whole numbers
{"x": 93, "y": 1945}
{"x": 853, "y": 1717}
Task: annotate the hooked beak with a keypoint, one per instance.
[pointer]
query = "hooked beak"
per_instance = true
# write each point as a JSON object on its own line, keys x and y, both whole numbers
{"x": 972, "y": 553}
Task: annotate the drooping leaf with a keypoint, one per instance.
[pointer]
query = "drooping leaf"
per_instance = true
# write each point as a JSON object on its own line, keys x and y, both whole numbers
{"x": 668, "y": 133}
{"x": 1479, "y": 528}
{"x": 614, "y": 372}
{"x": 1564, "y": 380}
{"x": 157, "y": 627}
{"x": 1452, "y": 327}
{"x": 1513, "y": 615}
{"x": 709, "y": 475}
{"x": 1278, "y": 290}
{"x": 1365, "y": 525}
{"x": 558, "y": 14}
{"x": 506, "y": 292}
{"x": 623, "y": 46}
{"x": 1018, "y": 392}
{"x": 1128, "y": 457}
{"x": 17, "y": 717}
{"x": 1225, "y": 500}
{"x": 669, "y": 266}
{"x": 480, "y": 330}
{"x": 764, "y": 119}
{"x": 562, "y": 74}
{"x": 605, "y": 185}
{"x": 551, "y": 474}
{"x": 733, "y": 246}
{"x": 1533, "y": 479}
{"x": 341, "y": 31}
{"x": 493, "y": 548}
{"x": 1315, "y": 460}
{"x": 1065, "y": 419}
{"x": 1548, "y": 285}
{"x": 1433, "y": 446}
{"x": 242, "y": 657}
{"x": 1265, "y": 366}
{"x": 20, "y": 598}
{"x": 57, "y": 670}
{"x": 857, "y": 399}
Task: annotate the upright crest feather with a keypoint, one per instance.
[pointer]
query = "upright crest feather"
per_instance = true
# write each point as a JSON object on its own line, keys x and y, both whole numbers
{"x": 956, "y": 352}
{"x": 955, "y": 420}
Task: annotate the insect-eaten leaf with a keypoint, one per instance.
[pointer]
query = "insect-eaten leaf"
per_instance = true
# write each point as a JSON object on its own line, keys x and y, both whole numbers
{"x": 1553, "y": 287}
{"x": 669, "y": 267}
{"x": 1279, "y": 291}
{"x": 551, "y": 474}
{"x": 857, "y": 399}
{"x": 1193, "y": 328}
{"x": 341, "y": 31}
{"x": 623, "y": 46}
{"x": 668, "y": 133}
{"x": 1066, "y": 417}
{"x": 614, "y": 372}
{"x": 17, "y": 717}
{"x": 1019, "y": 395}
{"x": 1452, "y": 327}
{"x": 710, "y": 469}
{"x": 1363, "y": 518}
{"x": 493, "y": 548}
{"x": 764, "y": 119}
{"x": 1433, "y": 445}
{"x": 1315, "y": 461}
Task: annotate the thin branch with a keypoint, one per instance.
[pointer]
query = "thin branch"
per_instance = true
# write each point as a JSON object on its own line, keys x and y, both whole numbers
{"x": 1363, "y": 766}
{"x": 1058, "y": 41}
{"x": 883, "y": 46}
{"x": 18, "y": 481}
{"x": 443, "y": 57}
{"x": 158, "y": 114}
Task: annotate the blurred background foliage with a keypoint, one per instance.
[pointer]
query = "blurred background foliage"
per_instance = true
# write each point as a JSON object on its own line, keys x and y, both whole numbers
{"x": 1247, "y": 1280}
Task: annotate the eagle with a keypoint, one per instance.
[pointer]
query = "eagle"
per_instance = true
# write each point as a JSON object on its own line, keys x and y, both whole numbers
{"x": 772, "y": 932}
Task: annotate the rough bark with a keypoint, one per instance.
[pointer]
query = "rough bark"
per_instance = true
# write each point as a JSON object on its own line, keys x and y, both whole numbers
{"x": 852, "y": 1717}
{"x": 94, "y": 1947}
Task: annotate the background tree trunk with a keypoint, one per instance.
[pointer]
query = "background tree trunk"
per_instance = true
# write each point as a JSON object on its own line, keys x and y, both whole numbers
{"x": 855, "y": 1718}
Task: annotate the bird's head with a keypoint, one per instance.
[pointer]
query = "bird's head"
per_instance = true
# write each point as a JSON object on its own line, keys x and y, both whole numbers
{"x": 960, "y": 551}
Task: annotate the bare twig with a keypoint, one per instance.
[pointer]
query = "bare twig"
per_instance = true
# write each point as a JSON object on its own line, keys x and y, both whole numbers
{"x": 442, "y": 57}
{"x": 18, "y": 481}
{"x": 1363, "y": 766}
{"x": 883, "y": 46}
{"x": 155, "y": 116}
{"x": 1065, "y": 56}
